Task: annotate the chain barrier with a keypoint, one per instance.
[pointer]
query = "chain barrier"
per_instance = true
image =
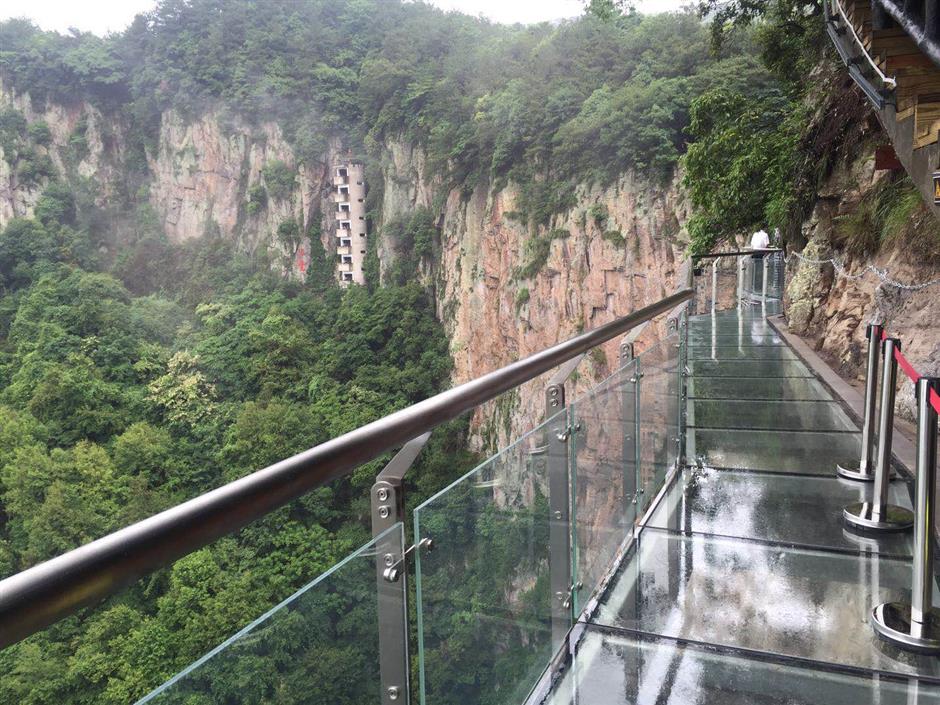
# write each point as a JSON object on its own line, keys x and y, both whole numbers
{"x": 882, "y": 274}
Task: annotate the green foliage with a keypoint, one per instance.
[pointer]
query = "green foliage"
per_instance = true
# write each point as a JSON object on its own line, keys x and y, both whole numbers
{"x": 598, "y": 213}
{"x": 522, "y": 298}
{"x": 279, "y": 179}
{"x": 741, "y": 169}
{"x": 413, "y": 237}
{"x": 39, "y": 133}
{"x": 615, "y": 237}
{"x": 536, "y": 252}
{"x": 257, "y": 198}
{"x": 887, "y": 216}
{"x": 117, "y": 403}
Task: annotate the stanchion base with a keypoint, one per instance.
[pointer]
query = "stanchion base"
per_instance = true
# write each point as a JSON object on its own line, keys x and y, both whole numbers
{"x": 852, "y": 472}
{"x": 864, "y": 515}
{"x": 892, "y": 622}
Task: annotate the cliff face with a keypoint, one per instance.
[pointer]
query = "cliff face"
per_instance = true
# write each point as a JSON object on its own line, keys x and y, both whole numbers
{"x": 596, "y": 270}
{"x": 208, "y": 174}
{"x": 833, "y": 308}
{"x": 82, "y": 143}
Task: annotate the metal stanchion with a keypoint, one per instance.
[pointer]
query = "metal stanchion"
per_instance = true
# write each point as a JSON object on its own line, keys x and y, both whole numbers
{"x": 878, "y": 514}
{"x": 917, "y": 625}
{"x": 715, "y": 285}
{"x": 864, "y": 470}
{"x": 763, "y": 286}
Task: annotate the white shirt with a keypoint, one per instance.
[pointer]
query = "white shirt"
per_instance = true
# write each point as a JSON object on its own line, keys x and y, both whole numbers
{"x": 760, "y": 240}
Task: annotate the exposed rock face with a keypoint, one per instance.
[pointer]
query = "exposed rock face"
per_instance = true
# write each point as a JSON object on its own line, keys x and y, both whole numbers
{"x": 100, "y": 156}
{"x": 495, "y": 316}
{"x": 200, "y": 175}
{"x": 833, "y": 309}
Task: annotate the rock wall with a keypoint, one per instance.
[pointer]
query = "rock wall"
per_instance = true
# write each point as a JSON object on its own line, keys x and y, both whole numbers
{"x": 99, "y": 156}
{"x": 494, "y": 315}
{"x": 832, "y": 309}
{"x": 199, "y": 176}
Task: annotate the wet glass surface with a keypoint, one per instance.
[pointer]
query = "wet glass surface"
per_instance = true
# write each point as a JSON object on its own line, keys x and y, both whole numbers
{"x": 752, "y": 339}
{"x": 781, "y": 508}
{"x": 734, "y": 352}
{"x": 749, "y": 368}
{"x": 786, "y": 601}
{"x": 779, "y": 388}
{"x": 621, "y": 669}
{"x": 803, "y": 452}
{"x": 771, "y": 415}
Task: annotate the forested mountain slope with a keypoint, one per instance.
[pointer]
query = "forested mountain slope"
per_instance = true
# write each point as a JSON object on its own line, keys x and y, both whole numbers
{"x": 158, "y": 338}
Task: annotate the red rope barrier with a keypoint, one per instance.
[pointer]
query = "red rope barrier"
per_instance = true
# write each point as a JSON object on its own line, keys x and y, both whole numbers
{"x": 913, "y": 374}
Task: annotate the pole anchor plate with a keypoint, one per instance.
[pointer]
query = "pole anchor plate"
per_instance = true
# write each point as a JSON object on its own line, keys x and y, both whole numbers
{"x": 892, "y": 621}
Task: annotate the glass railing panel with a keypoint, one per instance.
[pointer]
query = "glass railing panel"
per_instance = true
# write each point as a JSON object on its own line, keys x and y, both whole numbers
{"x": 658, "y": 412}
{"x": 603, "y": 473}
{"x": 484, "y": 602}
{"x": 319, "y": 645}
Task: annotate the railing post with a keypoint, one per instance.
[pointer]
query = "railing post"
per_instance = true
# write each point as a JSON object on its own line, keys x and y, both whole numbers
{"x": 742, "y": 265}
{"x": 388, "y": 508}
{"x": 715, "y": 284}
{"x": 864, "y": 471}
{"x": 878, "y": 514}
{"x": 637, "y": 436}
{"x": 629, "y": 430}
{"x": 917, "y": 625}
{"x": 682, "y": 389}
{"x": 765, "y": 265}
{"x": 559, "y": 501}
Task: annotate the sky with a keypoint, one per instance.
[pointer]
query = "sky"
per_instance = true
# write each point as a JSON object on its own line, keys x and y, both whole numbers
{"x": 103, "y": 16}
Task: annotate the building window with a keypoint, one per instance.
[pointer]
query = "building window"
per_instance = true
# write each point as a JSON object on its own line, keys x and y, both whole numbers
{"x": 362, "y": 252}
{"x": 342, "y": 172}
{"x": 361, "y": 217}
{"x": 362, "y": 234}
{"x": 360, "y": 200}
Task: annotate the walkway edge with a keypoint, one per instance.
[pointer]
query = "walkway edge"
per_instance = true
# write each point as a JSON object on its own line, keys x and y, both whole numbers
{"x": 903, "y": 449}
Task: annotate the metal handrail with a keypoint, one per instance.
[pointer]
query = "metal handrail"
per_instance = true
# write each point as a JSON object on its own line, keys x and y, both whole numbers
{"x": 737, "y": 253}
{"x": 886, "y": 81}
{"x": 50, "y": 591}
{"x": 917, "y": 31}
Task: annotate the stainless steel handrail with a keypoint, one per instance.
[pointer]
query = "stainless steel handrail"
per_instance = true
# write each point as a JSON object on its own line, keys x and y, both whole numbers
{"x": 45, "y": 593}
{"x": 919, "y": 32}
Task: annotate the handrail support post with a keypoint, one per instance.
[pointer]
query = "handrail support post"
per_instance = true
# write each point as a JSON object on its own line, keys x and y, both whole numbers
{"x": 388, "y": 508}
{"x": 556, "y": 455}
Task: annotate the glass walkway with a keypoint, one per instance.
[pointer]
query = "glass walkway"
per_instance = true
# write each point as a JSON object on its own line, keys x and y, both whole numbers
{"x": 744, "y": 586}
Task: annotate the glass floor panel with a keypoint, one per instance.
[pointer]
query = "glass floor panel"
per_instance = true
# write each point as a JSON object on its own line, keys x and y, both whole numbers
{"x": 749, "y": 368}
{"x": 801, "y": 452}
{"x": 699, "y": 337}
{"x": 792, "y": 602}
{"x": 769, "y": 415}
{"x": 734, "y": 352}
{"x": 779, "y": 388}
{"x": 780, "y": 508}
{"x": 630, "y": 669}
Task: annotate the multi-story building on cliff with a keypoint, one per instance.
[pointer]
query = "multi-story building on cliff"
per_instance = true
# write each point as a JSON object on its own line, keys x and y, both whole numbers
{"x": 349, "y": 195}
